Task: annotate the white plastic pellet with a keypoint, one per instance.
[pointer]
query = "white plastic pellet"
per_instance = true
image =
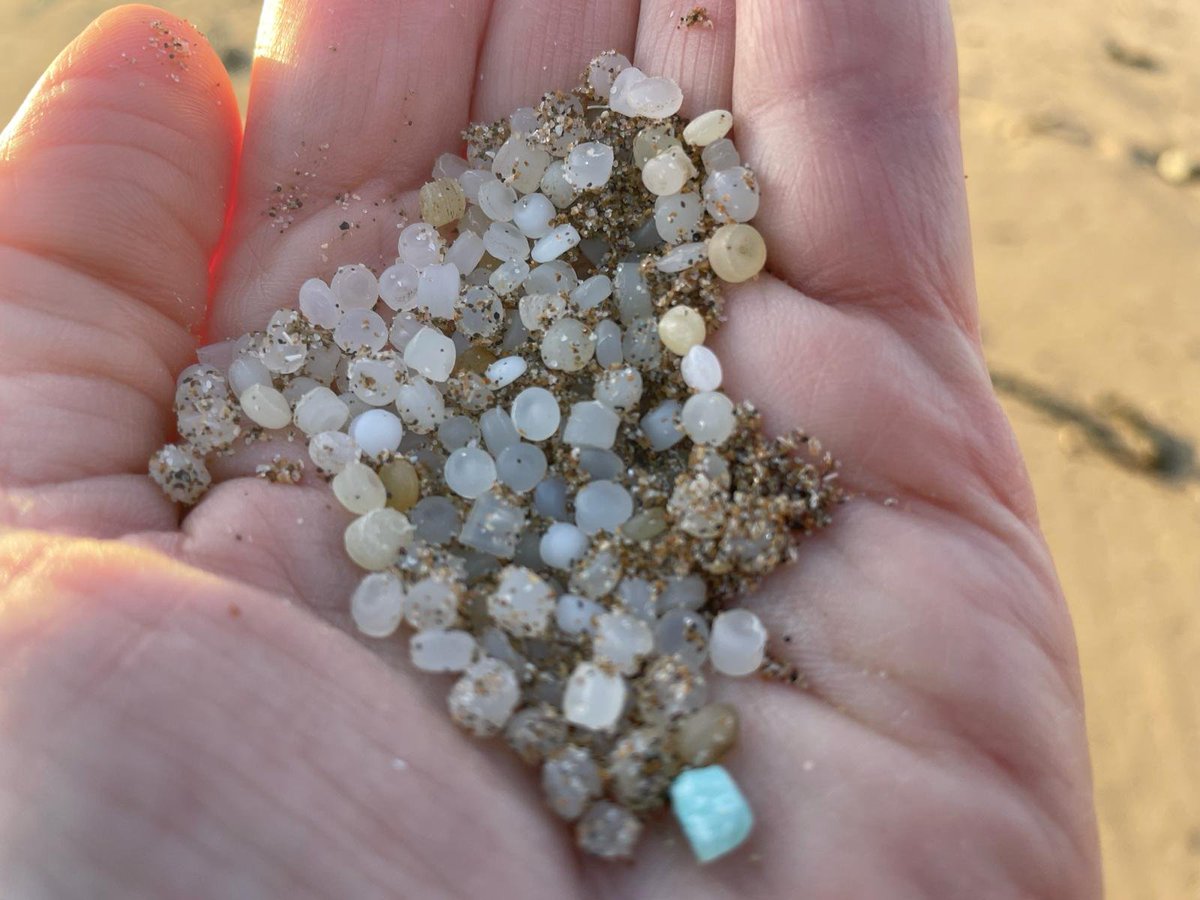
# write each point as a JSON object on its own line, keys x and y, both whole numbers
{"x": 521, "y": 466}
{"x": 561, "y": 239}
{"x": 470, "y": 472}
{"x": 320, "y": 410}
{"x": 591, "y": 424}
{"x": 700, "y": 368}
{"x": 265, "y": 406}
{"x": 737, "y": 643}
{"x": 377, "y": 604}
{"x": 602, "y": 506}
{"x": 731, "y": 195}
{"x": 563, "y": 545}
{"x": 437, "y": 289}
{"x": 708, "y": 418}
{"x": 532, "y": 215}
{"x": 535, "y": 414}
{"x": 431, "y": 353}
{"x": 594, "y": 698}
{"x": 318, "y": 303}
{"x": 355, "y": 287}
{"x": 376, "y": 432}
{"x": 420, "y": 245}
{"x": 589, "y": 165}
{"x": 442, "y": 650}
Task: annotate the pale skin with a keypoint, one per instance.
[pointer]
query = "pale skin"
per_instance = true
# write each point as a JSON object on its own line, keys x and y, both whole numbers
{"x": 183, "y": 709}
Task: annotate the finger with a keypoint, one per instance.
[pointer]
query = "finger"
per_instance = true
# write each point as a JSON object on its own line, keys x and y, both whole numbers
{"x": 846, "y": 109}
{"x": 696, "y": 53}
{"x": 350, "y": 102}
{"x": 536, "y": 46}
{"x": 114, "y": 180}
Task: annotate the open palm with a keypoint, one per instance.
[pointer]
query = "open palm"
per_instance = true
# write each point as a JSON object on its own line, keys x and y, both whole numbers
{"x": 178, "y": 718}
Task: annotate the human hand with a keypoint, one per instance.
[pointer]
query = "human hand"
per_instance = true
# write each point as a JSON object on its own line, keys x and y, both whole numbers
{"x": 180, "y": 720}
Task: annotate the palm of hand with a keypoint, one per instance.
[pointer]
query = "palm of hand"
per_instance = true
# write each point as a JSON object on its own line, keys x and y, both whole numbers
{"x": 163, "y": 723}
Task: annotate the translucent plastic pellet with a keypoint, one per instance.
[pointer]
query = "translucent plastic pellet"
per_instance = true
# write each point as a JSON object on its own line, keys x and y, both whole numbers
{"x": 466, "y": 252}
{"x": 522, "y": 603}
{"x": 472, "y": 181}
{"x": 570, "y": 779}
{"x": 432, "y": 603}
{"x": 608, "y": 344}
{"x": 602, "y": 506}
{"x": 360, "y": 329}
{"x": 498, "y": 430}
{"x": 591, "y": 292}
{"x": 737, "y": 643}
{"x": 421, "y": 406}
{"x": 504, "y": 372}
{"x": 320, "y": 410}
{"x": 377, "y": 605}
{"x": 651, "y": 141}
{"x": 485, "y": 697}
{"x": 481, "y": 314}
{"x": 708, "y": 418}
{"x": 731, "y": 195}
{"x": 436, "y": 519}
{"x": 654, "y": 97}
{"x": 553, "y": 277}
{"x": 632, "y": 291}
{"x": 521, "y": 466}
{"x": 437, "y": 289}
{"x": 668, "y": 172}
{"x": 318, "y": 303}
{"x": 398, "y": 286}
{"x": 619, "y": 93}
{"x": 524, "y": 120}
{"x": 375, "y": 539}
{"x": 355, "y": 287}
{"x": 358, "y": 488}
{"x": 442, "y": 650}
{"x": 431, "y": 353}
{"x": 621, "y": 640}
{"x": 568, "y": 345}
{"x": 591, "y": 424}
{"x": 447, "y": 165}
{"x": 247, "y": 370}
{"x": 457, "y": 431}
{"x": 556, "y": 187}
{"x": 420, "y": 245}
{"x": 589, "y": 165}
{"x": 640, "y": 345}
{"x": 720, "y": 155}
{"x": 594, "y": 697}
{"x": 708, "y": 127}
{"x": 680, "y": 329}
{"x": 532, "y": 215}
{"x": 470, "y": 472}
{"x": 677, "y": 216}
{"x": 332, "y": 451}
{"x": 538, "y": 311}
{"x": 684, "y": 633}
{"x": 377, "y": 432}
{"x": 603, "y": 69}
{"x": 376, "y": 381}
{"x": 576, "y": 615}
{"x": 404, "y": 327}
{"x": 180, "y": 473}
{"x": 508, "y": 276}
{"x": 550, "y": 498}
{"x": 521, "y": 164}
{"x": 265, "y": 406}
{"x": 601, "y": 464}
{"x": 619, "y": 388}
{"x": 661, "y": 425}
{"x": 504, "y": 241}
{"x": 553, "y": 245}
{"x": 498, "y": 200}
{"x": 682, "y": 592}
{"x": 563, "y": 545}
{"x": 682, "y": 257}
{"x": 700, "y": 368}
{"x": 737, "y": 252}
{"x": 494, "y": 525}
{"x": 535, "y": 414}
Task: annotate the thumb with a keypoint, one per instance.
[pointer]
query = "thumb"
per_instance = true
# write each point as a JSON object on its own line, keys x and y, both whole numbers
{"x": 115, "y": 175}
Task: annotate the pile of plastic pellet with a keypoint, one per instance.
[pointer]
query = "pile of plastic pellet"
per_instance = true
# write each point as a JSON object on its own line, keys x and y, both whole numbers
{"x": 553, "y": 499}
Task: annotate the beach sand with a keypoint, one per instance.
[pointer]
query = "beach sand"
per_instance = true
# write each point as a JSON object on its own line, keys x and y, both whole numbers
{"x": 1089, "y": 281}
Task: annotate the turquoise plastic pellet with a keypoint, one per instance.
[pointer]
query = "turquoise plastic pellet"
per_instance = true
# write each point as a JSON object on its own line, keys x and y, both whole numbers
{"x": 712, "y": 811}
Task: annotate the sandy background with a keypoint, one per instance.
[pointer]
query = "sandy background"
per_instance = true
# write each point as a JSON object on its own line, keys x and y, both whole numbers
{"x": 1078, "y": 118}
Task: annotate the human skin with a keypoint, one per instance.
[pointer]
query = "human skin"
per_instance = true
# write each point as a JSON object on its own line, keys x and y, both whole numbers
{"x": 184, "y": 709}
